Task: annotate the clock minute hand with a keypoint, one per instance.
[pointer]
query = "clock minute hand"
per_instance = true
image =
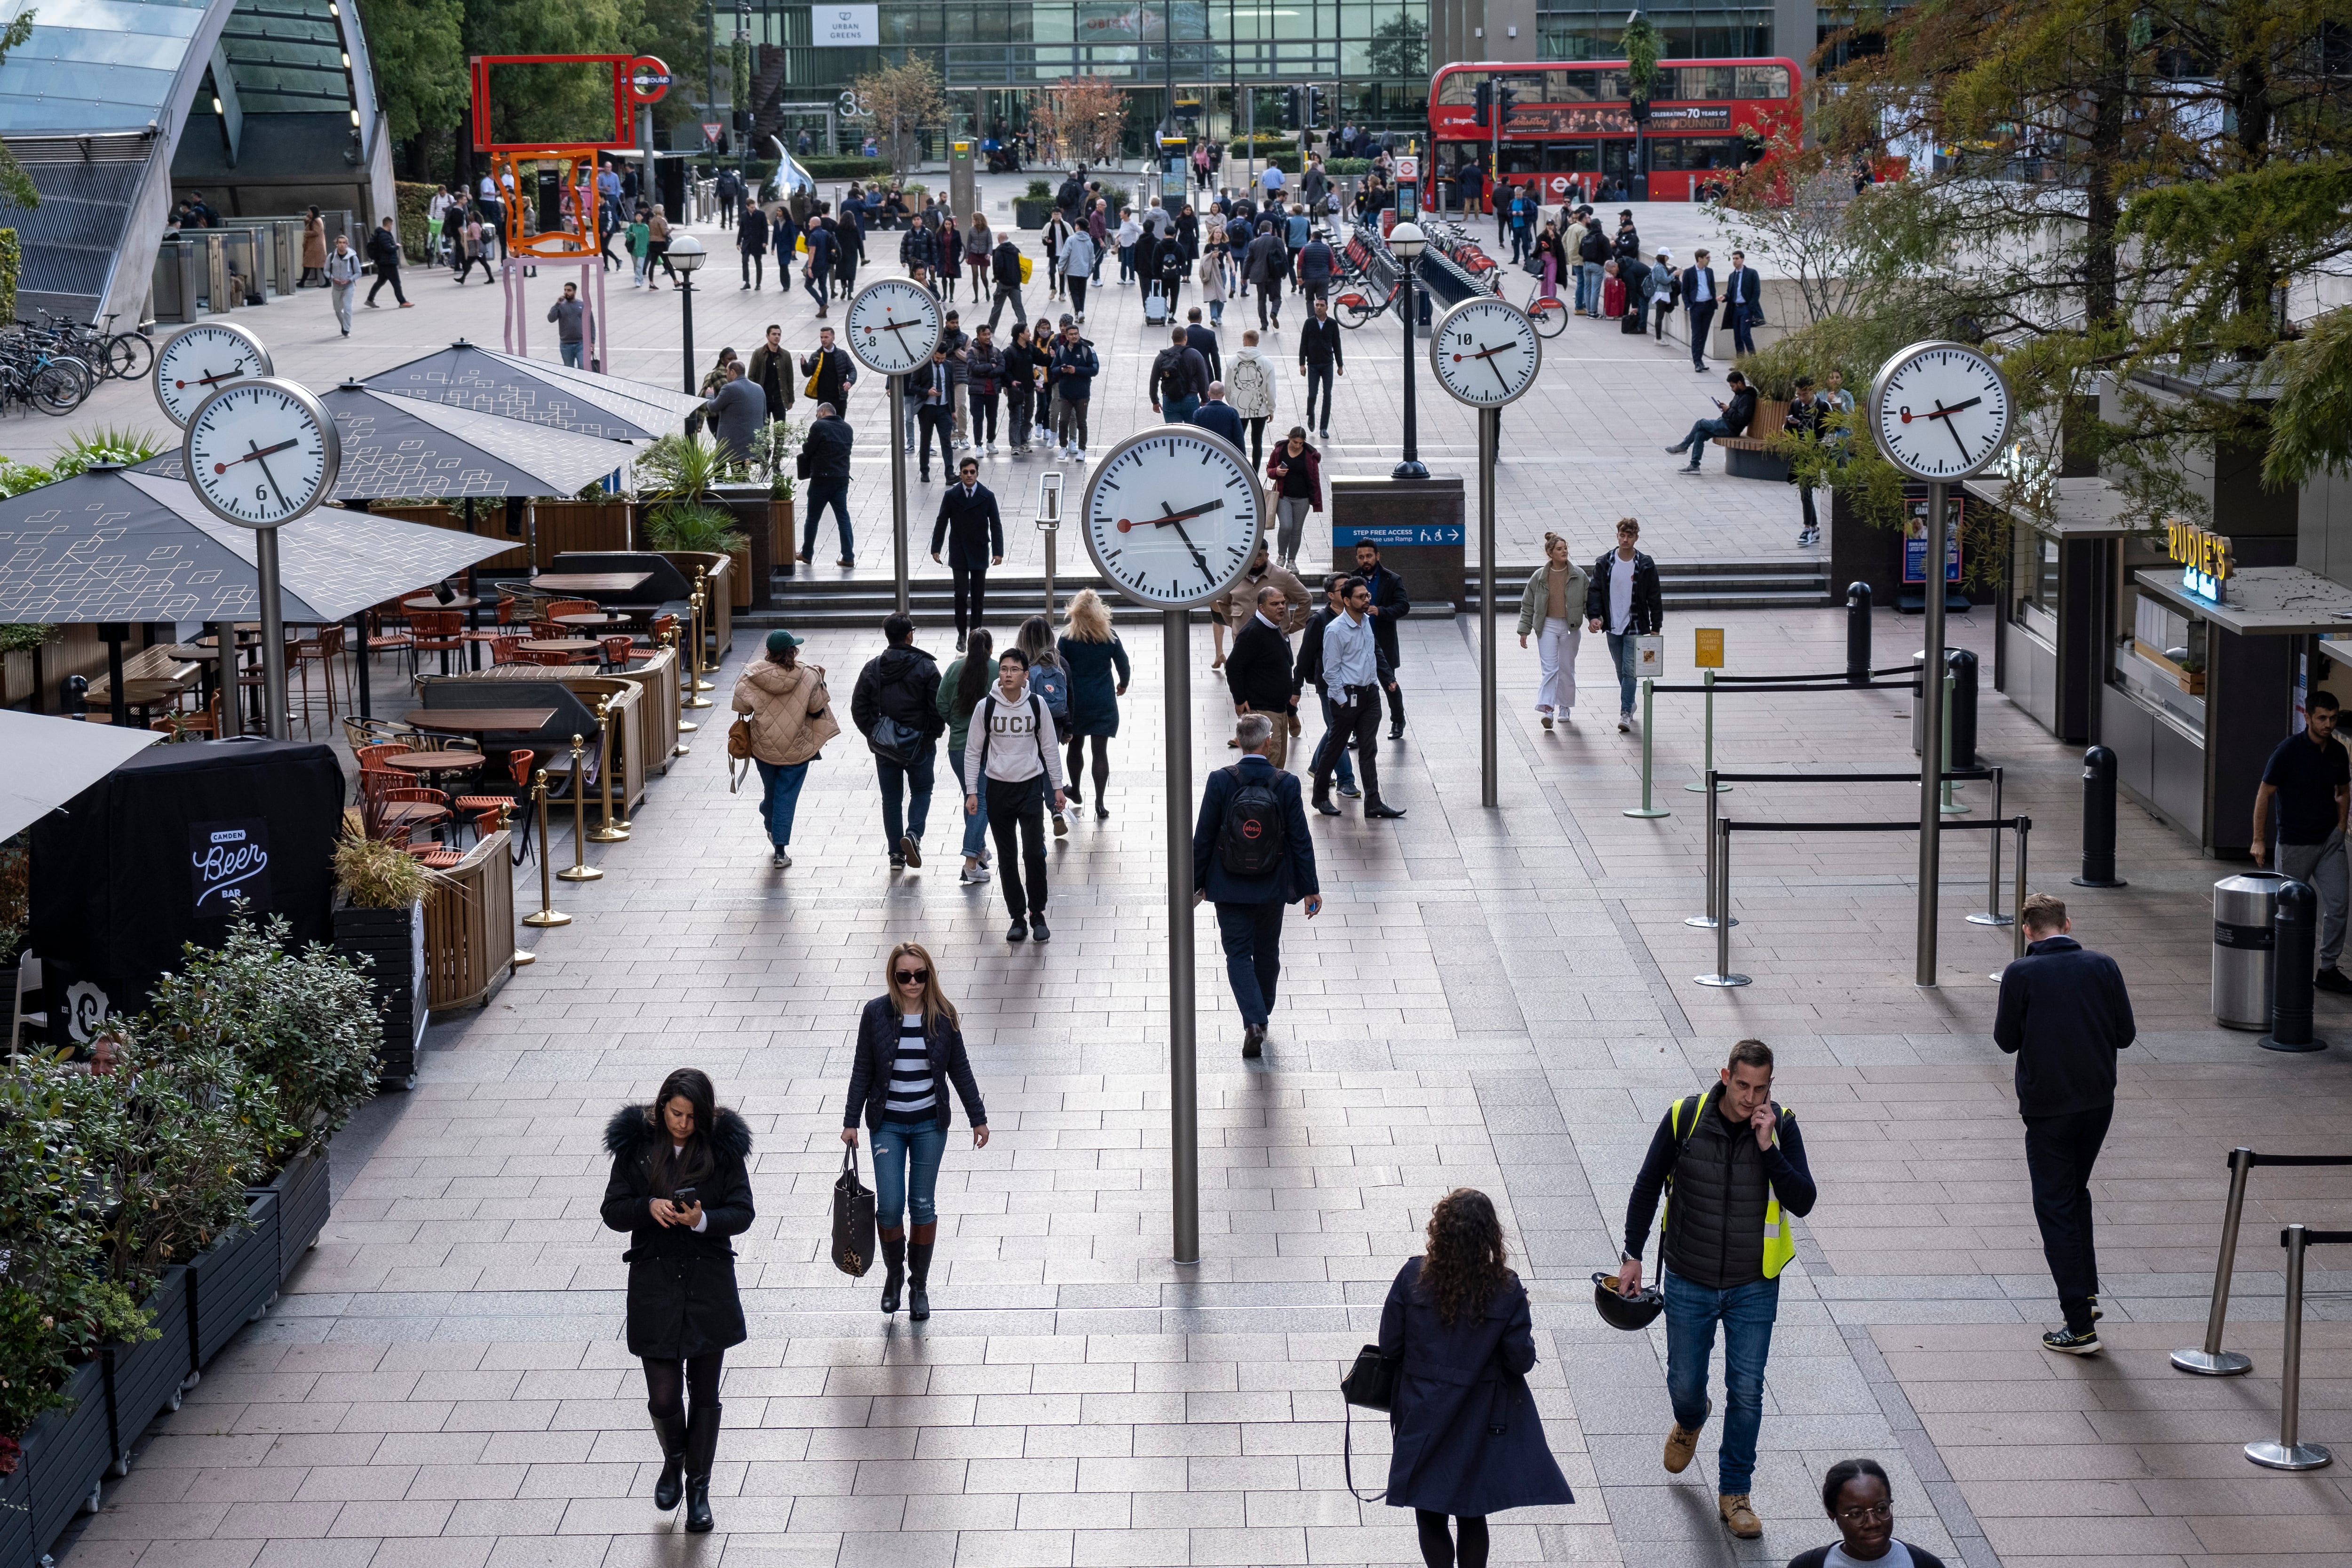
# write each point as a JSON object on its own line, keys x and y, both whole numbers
{"x": 1945, "y": 415}
{"x": 1172, "y": 519}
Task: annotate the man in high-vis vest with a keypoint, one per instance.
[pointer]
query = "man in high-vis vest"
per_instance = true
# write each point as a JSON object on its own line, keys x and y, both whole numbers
{"x": 1733, "y": 1166}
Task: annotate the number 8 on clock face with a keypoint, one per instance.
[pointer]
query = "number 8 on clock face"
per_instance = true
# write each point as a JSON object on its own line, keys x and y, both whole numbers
{"x": 1173, "y": 516}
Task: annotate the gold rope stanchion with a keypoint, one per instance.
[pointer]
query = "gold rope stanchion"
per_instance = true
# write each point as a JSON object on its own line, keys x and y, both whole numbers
{"x": 607, "y": 830}
{"x": 579, "y": 870}
{"x": 548, "y": 914}
{"x": 702, "y": 630}
{"x": 686, "y": 726}
{"x": 695, "y": 685}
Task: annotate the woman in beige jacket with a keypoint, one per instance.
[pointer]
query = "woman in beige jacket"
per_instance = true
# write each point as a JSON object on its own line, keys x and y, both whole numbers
{"x": 1552, "y": 611}
{"x": 790, "y": 716}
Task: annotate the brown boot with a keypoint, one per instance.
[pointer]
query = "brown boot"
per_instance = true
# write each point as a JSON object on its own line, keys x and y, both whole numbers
{"x": 1738, "y": 1517}
{"x": 1682, "y": 1442}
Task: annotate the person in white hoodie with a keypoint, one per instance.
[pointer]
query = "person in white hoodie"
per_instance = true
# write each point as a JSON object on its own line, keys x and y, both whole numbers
{"x": 1009, "y": 746}
{"x": 1249, "y": 387}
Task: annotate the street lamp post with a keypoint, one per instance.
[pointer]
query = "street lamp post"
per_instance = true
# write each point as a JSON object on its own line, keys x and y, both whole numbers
{"x": 686, "y": 255}
{"x": 1406, "y": 241}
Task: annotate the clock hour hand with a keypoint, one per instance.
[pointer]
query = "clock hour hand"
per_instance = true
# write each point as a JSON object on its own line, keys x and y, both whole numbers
{"x": 256, "y": 452}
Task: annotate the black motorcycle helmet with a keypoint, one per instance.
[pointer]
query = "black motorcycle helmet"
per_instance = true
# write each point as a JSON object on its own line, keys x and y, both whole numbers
{"x": 1628, "y": 1312}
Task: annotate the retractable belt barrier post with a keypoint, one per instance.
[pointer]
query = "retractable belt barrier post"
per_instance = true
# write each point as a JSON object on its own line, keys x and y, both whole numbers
{"x": 1715, "y": 684}
{"x": 2290, "y": 1453}
{"x": 2210, "y": 1360}
{"x": 1990, "y": 914}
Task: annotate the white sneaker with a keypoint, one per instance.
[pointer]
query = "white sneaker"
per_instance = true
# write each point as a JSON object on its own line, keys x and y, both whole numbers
{"x": 1079, "y": 456}
{"x": 991, "y": 448}
{"x": 782, "y": 858}
{"x": 973, "y": 875}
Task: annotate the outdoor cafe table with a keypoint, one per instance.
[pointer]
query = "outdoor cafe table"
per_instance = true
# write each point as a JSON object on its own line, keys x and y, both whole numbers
{"x": 596, "y": 618}
{"x": 423, "y": 764}
{"x": 591, "y": 582}
{"x": 560, "y": 644}
{"x": 476, "y": 720}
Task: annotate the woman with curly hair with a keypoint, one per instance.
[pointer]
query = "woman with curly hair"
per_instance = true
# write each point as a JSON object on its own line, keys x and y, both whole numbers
{"x": 681, "y": 1187}
{"x": 1468, "y": 1440}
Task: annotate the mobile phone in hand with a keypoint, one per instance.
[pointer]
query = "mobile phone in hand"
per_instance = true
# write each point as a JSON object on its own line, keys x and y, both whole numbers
{"x": 684, "y": 1198}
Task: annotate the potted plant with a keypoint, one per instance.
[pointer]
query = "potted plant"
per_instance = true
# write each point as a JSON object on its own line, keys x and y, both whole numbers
{"x": 1033, "y": 208}
{"x": 379, "y": 922}
{"x": 692, "y": 468}
{"x": 775, "y": 463}
{"x": 15, "y": 916}
{"x": 680, "y": 528}
{"x": 2192, "y": 676}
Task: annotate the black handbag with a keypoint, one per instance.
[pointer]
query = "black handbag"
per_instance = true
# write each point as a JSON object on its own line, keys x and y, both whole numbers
{"x": 1372, "y": 1383}
{"x": 852, "y": 1219}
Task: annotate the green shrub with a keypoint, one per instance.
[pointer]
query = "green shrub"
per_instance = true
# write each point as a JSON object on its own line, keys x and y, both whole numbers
{"x": 684, "y": 526}
{"x": 1346, "y": 165}
{"x": 85, "y": 449}
{"x": 845, "y": 168}
{"x": 413, "y": 198}
{"x": 679, "y": 465}
{"x": 1261, "y": 143}
{"x": 1038, "y": 191}
{"x": 11, "y": 262}
{"x": 17, "y": 478}
{"x": 373, "y": 875}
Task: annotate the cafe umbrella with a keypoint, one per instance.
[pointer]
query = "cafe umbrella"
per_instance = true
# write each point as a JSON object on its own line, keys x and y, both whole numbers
{"x": 116, "y": 547}
{"x": 484, "y": 381}
{"x": 51, "y": 761}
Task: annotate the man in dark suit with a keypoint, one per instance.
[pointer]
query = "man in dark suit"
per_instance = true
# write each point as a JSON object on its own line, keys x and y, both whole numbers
{"x": 1204, "y": 340}
{"x": 1701, "y": 295}
{"x": 1249, "y": 908}
{"x": 933, "y": 390}
{"x": 1218, "y": 415}
{"x": 1742, "y": 303}
{"x": 1259, "y": 673}
{"x": 974, "y": 534}
{"x": 1389, "y": 606}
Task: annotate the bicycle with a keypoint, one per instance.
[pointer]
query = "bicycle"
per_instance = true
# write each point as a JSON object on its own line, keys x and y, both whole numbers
{"x": 1550, "y": 316}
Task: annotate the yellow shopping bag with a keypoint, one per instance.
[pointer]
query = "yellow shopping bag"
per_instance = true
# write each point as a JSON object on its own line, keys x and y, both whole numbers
{"x": 1025, "y": 265}
{"x": 801, "y": 244}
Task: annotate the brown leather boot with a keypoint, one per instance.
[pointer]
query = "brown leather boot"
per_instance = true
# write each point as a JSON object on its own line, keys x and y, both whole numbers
{"x": 1738, "y": 1517}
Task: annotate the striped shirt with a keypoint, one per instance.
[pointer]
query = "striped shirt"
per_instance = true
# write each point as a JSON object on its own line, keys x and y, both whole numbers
{"x": 914, "y": 1091}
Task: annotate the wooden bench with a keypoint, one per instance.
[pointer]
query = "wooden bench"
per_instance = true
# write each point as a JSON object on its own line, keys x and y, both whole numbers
{"x": 1751, "y": 456}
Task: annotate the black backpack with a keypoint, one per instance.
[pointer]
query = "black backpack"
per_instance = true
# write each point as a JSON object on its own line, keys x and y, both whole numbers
{"x": 1250, "y": 843}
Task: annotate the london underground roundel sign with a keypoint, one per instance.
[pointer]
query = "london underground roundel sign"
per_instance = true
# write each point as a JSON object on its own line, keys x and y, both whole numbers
{"x": 648, "y": 79}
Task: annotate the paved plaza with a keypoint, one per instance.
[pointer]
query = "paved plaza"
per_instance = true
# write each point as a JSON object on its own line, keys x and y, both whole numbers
{"x": 1500, "y": 999}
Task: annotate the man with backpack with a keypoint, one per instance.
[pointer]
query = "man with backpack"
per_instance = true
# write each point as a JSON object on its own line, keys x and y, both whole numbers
{"x": 1007, "y": 746}
{"x": 1251, "y": 855}
{"x": 895, "y": 706}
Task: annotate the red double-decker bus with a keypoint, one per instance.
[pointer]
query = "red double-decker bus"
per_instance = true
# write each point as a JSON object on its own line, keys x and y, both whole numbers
{"x": 1571, "y": 121}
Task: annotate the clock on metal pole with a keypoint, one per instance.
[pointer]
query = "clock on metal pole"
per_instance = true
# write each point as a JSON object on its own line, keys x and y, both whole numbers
{"x": 260, "y": 454}
{"x": 1486, "y": 352}
{"x": 1172, "y": 516}
{"x": 199, "y": 361}
{"x": 1940, "y": 412}
{"x": 894, "y": 324}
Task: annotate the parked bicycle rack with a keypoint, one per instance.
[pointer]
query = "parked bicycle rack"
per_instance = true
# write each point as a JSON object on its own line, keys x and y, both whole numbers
{"x": 2290, "y": 1453}
{"x": 2210, "y": 1360}
{"x": 1721, "y": 860}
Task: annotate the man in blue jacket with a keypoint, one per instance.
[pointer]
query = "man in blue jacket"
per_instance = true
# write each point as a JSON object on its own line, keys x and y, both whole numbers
{"x": 1249, "y": 879}
{"x": 1218, "y": 415}
{"x": 2064, "y": 1014}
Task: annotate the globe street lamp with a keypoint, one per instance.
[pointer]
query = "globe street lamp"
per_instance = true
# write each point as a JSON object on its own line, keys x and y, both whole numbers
{"x": 686, "y": 255}
{"x": 1406, "y": 242}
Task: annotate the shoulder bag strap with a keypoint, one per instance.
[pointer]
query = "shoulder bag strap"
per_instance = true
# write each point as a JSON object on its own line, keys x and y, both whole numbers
{"x": 1037, "y": 718}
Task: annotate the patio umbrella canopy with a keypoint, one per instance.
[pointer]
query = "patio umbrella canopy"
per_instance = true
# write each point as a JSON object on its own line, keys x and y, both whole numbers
{"x": 51, "y": 761}
{"x": 125, "y": 545}
{"x": 483, "y": 381}
{"x": 397, "y": 448}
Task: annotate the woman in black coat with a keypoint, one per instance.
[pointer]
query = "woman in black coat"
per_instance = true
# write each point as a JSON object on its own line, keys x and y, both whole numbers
{"x": 909, "y": 1049}
{"x": 680, "y": 1188}
{"x": 1468, "y": 1440}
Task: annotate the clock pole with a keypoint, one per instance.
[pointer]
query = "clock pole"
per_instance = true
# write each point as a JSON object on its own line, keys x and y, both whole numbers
{"x": 898, "y": 486}
{"x": 1489, "y": 787}
{"x": 1931, "y": 739}
{"x": 1184, "y": 1074}
{"x": 273, "y": 635}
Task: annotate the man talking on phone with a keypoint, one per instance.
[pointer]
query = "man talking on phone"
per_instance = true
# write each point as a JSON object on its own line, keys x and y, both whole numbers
{"x": 1732, "y": 1165}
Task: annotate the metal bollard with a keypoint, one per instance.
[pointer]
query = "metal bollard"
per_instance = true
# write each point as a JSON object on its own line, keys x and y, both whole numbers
{"x": 1990, "y": 914}
{"x": 2210, "y": 1360}
{"x": 75, "y": 693}
{"x": 1648, "y": 703}
{"x": 1722, "y": 978}
{"x": 1950, "y": 804}
{"x": 2098, "y": 820}
{"x": 1857, "y": 633}
{"x": 2287, "y": 1453}
{"x": 2294, "y": 923}
{"x": 1714, "y": 910}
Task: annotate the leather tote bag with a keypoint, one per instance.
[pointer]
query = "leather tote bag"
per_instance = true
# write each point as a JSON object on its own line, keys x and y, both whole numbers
{"x": 852, "y": 1219}
{"x": 1371, "y": 1384}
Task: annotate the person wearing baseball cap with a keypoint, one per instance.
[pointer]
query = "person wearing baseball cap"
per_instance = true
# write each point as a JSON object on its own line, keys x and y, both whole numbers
{"x": 787, "y": 716}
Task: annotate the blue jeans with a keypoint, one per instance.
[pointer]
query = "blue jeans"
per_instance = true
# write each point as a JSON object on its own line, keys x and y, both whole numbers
{"x": 780, "y": 794}
{"x": 570, "y": 347}
{"x": 975, "y": 825}
{"x": 1180, "y": 410}
{"x": 1695, "y": 442}
{"x": 917, "y": 781}
{"x": 1588, "y": 286}
{"x": 1251, "y": 935}
{"x": 907, "y": 1175}
{"x": 1345, "y": 768}
{"x": 1747, "y": 1313}
{"x": 1622, "y": 653}
{"x": 823, "y": 493}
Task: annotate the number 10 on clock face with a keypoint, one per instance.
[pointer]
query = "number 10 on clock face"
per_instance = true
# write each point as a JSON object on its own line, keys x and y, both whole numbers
{"x": 1173, "y": 516}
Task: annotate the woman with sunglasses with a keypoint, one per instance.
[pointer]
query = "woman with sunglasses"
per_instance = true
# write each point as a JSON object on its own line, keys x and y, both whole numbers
{"x": 909, "y": 1049}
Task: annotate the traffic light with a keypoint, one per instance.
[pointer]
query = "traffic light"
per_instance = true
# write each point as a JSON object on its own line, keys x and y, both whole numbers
{"x": 1483, "y": 103}
{"x": 1641, "y": 111}
{"x": 1290, "y": 121}
{"x": 1506, "y": 97}
{"x": 1314, "y": 108}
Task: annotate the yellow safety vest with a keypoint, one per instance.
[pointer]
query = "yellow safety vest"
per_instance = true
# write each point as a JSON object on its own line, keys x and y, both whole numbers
{"x": 1779, "y": 1240}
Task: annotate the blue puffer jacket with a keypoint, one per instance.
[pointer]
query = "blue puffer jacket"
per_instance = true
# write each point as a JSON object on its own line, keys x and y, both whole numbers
{"x": 1074, "y": 370}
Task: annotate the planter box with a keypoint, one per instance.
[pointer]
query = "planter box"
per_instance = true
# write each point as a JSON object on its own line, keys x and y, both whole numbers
{"x": 470, "y": 918}
{"x": 1027, "y": 213}
{"x": 143, "y": 1379}
{"x": 66, "y": 1452}
{"x": 234, "y": 1281}
{"x": 16, "y": 1548}
{"x": 783, "y": 541}
{"x": 395, "y": 941}
{"x": 305, "y": 1195}
{"x": 750, "y": 504}
{"x": 578, "y": 526}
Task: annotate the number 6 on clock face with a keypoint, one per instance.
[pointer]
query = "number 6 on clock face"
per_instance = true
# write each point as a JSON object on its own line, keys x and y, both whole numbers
{"x": 1173, "y": 516}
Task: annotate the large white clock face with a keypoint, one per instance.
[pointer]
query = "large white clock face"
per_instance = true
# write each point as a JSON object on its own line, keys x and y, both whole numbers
{"x": 1173, "y": 516}
{"x": 1942, "y": 411}
{"x": 894, "y": 324}
{"x": 1485, "y": 351}
{"x": 261, "y": 452}
{"x": 200, "y": 361}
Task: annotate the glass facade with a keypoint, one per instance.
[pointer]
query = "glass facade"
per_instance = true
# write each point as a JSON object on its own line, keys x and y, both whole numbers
{"x": 95, "y": 65}
{"x": 1568, "y": 31}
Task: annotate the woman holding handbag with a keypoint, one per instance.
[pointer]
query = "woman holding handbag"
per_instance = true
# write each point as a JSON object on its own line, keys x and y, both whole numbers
{"x": 788, "y": 715}
{"x": 909, "y": 1049}
{"x": 1468, "y": 1441}
{"x": 681, "y": 1187}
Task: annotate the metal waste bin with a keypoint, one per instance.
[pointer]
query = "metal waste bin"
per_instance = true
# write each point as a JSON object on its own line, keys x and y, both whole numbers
{"x": 2244, "y": 948}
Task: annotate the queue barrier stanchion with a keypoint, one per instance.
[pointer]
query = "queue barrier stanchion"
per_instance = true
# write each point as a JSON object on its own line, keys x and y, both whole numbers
{"x": 2290, "y": 1452}
{"x": 1649, "y": 687}
{"x": 547, "y": 914}
{"x": 1715, "y": 911}
{"x": 1723, "y": 978}
{"x": 1990, "y": 914}
{"x": 2208, "y": 1359}
{"x": 1706, "y": 680}
{"x": 579, "y": 870}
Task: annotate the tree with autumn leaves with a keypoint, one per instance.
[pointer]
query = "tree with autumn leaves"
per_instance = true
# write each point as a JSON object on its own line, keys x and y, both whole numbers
{"x": 1086, "y": 118}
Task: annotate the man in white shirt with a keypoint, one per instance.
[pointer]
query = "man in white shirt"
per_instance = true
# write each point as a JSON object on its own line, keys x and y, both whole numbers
{"x": 1354, "y": 672}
